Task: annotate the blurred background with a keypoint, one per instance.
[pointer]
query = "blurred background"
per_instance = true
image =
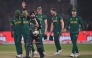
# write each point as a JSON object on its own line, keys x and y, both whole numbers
{"x": 63, "y": 7}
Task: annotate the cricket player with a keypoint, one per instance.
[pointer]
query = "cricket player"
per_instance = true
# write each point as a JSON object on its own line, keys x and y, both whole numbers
{"x": 57, "y": 25}
{"x": 34, "y": 26}
{"x": 25, "y": 25}
{"x": 74, "y": 21}
{"x": 43, "y": 21}
{"x": 16, "y": 27}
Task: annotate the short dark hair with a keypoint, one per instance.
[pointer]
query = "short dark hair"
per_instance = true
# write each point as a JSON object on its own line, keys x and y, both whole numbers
{"x": 39, "y": 8}
{"x": 53, "y": 9}
{"x": 32, "y": 12}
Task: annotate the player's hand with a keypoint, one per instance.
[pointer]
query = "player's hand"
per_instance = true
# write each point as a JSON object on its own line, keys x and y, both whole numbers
{"x": 64, "y": 30}
{"x": 84, "y": 32}
{"x": 37, "y": 25}
{"x": 23, "y": 4}
{"x": 12, "y": 34}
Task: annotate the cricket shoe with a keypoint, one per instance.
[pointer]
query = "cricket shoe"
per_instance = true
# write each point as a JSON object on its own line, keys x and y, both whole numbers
{"x": 77, "y": 54}
{"x": 44, "y": 53}
{"x": 35, "y": 52}
{"x": 19, "y": 56}
{"x": 59, "y": 51}
{"x": 72, "y": 55}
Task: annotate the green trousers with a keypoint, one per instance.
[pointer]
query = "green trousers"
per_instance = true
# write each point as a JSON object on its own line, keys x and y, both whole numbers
{"x": 56, "y": 39}
{"x": 41, "y": 35}
{"x": 25, "y": 34}
{"x": 74, "y": 37}
{"x": 17, "y": 40}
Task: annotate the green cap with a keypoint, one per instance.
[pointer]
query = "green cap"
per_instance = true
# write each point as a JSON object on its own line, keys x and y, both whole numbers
{"x": 17, "y": 12}
{"x": 74, "y": 9}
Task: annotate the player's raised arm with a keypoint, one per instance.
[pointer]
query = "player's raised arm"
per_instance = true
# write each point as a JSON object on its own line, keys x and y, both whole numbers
{"x": 23, "y": 5}
{"x": 24, "y": 9}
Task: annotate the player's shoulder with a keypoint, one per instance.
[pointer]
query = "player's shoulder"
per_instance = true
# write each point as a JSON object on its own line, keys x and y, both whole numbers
{"x": 43, "y": 15}
{"x": 36, "y": 15}
{"x": 70, "y": 18}
{"x": 58, "y": 15}
{"x": 78, "y": 17}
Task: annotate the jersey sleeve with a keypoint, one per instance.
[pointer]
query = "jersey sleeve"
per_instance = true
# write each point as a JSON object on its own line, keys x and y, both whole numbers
{"x": 44, "y": 17}
{"x": 81, "y": 23}
{"x": 60, "y": 17}
{"x": 52, "y": 20}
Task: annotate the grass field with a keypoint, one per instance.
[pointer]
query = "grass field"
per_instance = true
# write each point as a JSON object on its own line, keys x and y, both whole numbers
{"x": 8, "y": 51}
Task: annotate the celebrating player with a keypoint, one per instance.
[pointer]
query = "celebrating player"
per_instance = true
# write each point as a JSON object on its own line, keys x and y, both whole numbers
{"x": 16, "y": 26}
{"x": 34, "y": 26}
{"x": 43, "y": 21}
{"x": 74, "y": 21}
{"x": 57, "y": 26}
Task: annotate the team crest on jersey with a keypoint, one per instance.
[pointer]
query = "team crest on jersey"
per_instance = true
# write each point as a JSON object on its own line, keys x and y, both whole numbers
{"x": 14, "y": 20}
{"x": 56, "y": 17}
{"x": 76, "y": 19}
{"x": 70, "y": 18}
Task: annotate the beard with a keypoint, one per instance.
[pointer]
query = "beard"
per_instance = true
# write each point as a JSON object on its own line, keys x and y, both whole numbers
{"x": 17, "y": 15}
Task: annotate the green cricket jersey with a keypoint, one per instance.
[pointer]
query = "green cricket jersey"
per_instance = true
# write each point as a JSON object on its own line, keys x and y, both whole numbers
{"x": 56, "y": 21}
{"x": 25, "y": 24}
{"x": 17, "y": 23}
{"x": 41, "y": 18}
{"x": 74, "y": 23}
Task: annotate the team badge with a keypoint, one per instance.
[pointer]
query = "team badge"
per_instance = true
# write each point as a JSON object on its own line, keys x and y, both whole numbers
{"x": 70, "y": 18}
